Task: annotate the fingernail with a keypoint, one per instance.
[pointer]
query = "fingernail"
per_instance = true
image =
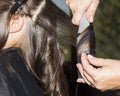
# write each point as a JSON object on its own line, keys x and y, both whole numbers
{"x": 90, "y": 56}
{"x": 78, "y": 65}
{"x": 79, "y": 80}
{"x": 91, "y": 19}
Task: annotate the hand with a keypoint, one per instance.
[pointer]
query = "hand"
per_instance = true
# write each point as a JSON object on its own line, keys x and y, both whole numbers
{"x": 79, "y": 7}
{"x": 103, "y": 74}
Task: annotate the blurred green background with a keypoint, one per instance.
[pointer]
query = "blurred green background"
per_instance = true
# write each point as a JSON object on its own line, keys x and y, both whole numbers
{"x": 107, "y": 29}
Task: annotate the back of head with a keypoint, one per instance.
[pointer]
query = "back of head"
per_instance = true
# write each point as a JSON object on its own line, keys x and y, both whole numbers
{"x": 40, "y": 47}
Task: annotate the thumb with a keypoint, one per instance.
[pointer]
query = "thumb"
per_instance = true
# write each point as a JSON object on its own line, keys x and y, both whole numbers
{"x": 98, "y": 62}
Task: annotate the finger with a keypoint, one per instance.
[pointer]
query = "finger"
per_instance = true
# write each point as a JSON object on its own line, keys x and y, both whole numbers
{"x": 79, "y": 12}
{"x": 87, "y": 66}
{"x": 98, "y": 62}
{"x": 71, "y": 5}
{"x": 80, "y": 80}
{"x": 79, "y": 66}
{"x": 88, "y": 77}
{"x": 91, "y": 10}
{"x": 86, "y": 80}
{"x": 77, "y": 15}
{"x": 76, "y": 11}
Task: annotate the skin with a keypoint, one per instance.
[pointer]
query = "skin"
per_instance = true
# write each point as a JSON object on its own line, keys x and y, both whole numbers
{"x": 79, "y": 7}
{"x": 16, "y": 32}
{"x": 100, "y": 73}
{"x": 103, "y": 74}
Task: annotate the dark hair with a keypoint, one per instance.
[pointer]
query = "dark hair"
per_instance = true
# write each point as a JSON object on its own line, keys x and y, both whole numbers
{"x": 40, "y": 45}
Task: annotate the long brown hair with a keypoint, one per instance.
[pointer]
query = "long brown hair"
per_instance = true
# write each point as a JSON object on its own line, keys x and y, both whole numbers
{"x": 40, "y": 45}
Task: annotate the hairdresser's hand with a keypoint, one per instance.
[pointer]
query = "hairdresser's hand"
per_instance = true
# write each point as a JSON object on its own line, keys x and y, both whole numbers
{"x": 105, "y": 75}
{"x": 79, "y": 7}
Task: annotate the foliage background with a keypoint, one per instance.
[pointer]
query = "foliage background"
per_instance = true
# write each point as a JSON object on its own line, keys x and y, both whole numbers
{"x": 107, "y": 29}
